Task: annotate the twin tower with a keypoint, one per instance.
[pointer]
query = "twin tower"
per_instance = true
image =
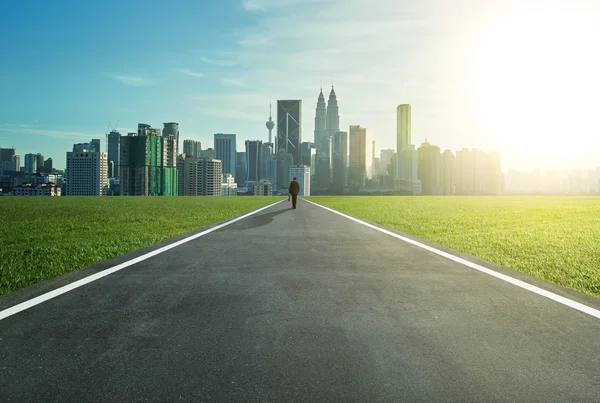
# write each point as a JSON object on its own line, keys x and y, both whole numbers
{"x": 327, "y": 125}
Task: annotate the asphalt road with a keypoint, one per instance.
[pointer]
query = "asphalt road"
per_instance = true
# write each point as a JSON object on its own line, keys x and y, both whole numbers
{"x": 298, "y": 305}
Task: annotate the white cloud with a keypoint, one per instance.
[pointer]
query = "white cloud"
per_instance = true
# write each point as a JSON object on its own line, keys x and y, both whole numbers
{"x": 51, "y": 133}
{"x": 217, "y": 62}
{"x": 133, "y": 80}
{"x": 189, "y": 72}
{"x": 233, "y": 82}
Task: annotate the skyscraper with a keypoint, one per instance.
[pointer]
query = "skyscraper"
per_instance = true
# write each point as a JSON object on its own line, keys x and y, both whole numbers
{"x": 225, "y": 151}
{"x": 96, "y": 145}
{"x": 30, "y": 163}
{"x": 270, "y": 125}
{"x": 253, "y": 160}
{"x": 16, "y": 163}
{"x": 447, "y": 173}
{"x": 87, "y": 172}
{"x": 333, "y": 114}
{"x": 39, "y": 162}
{"x": 360, "y": 164}
{"x": 403, "y": 131}
{"x": 289, "y": 127}
{"x": 6, "y": 155}
{"x": 406, "y": 172}
{"x": 192, "y": 148}
{"x": 172, "y": 129}
{"x": 322, "y": 144}
{"x": 148, "y": 163}
{"x": 241, "y": 169}
{"x": 339, "y": 163}
{"x": 114, "y": 144}
{"x": 429, "y": 169}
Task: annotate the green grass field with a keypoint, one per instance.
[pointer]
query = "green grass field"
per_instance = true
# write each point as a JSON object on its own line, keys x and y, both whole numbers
{"x": 553, "y": 238}
{"x": 43, "y": 237}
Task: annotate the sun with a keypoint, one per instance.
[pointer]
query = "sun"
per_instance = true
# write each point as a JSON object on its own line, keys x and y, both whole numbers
{"x": 535, "y": 79}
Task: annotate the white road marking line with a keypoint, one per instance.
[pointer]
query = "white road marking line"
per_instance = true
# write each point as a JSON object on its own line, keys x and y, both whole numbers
{"x": 565, "y": 301}
{"x": 62, "y": 290}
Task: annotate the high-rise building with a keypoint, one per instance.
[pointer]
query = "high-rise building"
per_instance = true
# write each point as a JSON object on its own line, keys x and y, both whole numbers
{"x": 284, "y": 161}
{"x": 96, "y": 145}
{"x": 333, "y": 114}
{"x": 322, "y": 149}
{"x": 429, "y": 168}
{"x": 114, "y": 144}
{"x": 339, "y": 160}
{"x": 87, "y": 172}
{"x": 289, "y": 128}
{"x": 360, "y": 163}
{"x": 447, "y": 173}
{"x": 226, "y": 152}
{"x": 16, "y": 163}
{"x": 210, "y": 174}
{"x": 172, "y": 129}
{"x": 253, "y": 160}
{"x": 406, "y": 174}
{"x": 6, "y": 158}
{"x": 48, "y": 165}
{"x": 403, "y": 127}
{"x": 39, "y": 162}
{"x": 302, "y": 175}
{"x": 270, "y": 125}
{"x": 192, "y": 148}
{"x": 228, "y": 187}
{"x": 30, "y": 163}
{"x": 307, "y": 149}
{"x": 148, "y": 163}
{"x": 266, "y": 154}
{"x": 241, "y": 168}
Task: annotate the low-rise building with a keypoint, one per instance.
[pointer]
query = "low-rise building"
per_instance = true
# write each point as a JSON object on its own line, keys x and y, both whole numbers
{"x": 44, "y": 189}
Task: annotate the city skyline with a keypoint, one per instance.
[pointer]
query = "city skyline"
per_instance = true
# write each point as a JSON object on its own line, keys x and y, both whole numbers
{"x": 470, "y": 85}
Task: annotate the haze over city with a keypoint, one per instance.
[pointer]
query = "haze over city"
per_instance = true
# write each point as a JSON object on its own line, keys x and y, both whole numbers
{"x": 515, "y": 77}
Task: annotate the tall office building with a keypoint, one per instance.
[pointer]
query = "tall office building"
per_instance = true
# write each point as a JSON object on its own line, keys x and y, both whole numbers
{"x": 406, "y": 172}
{"x": 87, "y": 172}
{"x": 241, "y": 168}
{"x": 226, "y": 152}
{"x": 39, "y": 162}
{"x": 360, "y": 162}
{"x": 447, "y": 173}
{"x": 253, "y": 160}
{"x": 30, "y": 163}
{"x": 333, "y": 114}
{"x": 266, "y": 154}
{"x": 6, "y": 158}
{"x": 96, "y": 145}
{"x": 284, "y": 161}
{"x": 307, "y": 149}
{"x": 16, "y": 163}
{"x": 302, "y": 175}
{"x": 148, "y": 163}
{"x": 339, "y": 160}
{"x": 114, "y": 146}
{"x": 192, "y": 148}
{"x": 429, "y": 169}
{"x": 289, "y": 127}
{"x": 48, "y": 165}
{"x": 172, "y": 129}
{"x": 322, "y": 150}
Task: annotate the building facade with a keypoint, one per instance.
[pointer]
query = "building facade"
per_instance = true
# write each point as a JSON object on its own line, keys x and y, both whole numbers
{"x": 44, "y": 189}
{"x": 114, "y": 146}
{"x": 339, "y": 160}
{"x": 263, "y": 188}
{"x": 360, "y": 161}
{"x": 289, "y": 128}
{"x": 148, "y": 164}
{"x": 172, "y": 129}
{"x": 6, "y": 159}
{"x": 229, "y": 187}
{"x": 192, "y": 148}
{"x": 226, "y": 151}
{"x": 87, "y": 173}
{"x": 429, "y": 169}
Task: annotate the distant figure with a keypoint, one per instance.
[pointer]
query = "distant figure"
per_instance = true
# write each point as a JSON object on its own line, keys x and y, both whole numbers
{"x": 294, "y": 190}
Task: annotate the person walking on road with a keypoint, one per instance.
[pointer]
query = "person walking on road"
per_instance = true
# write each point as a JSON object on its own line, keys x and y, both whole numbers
{"x": 294, "y": 190}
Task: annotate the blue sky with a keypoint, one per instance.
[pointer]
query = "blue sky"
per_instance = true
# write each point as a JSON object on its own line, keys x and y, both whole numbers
{"x": 70, "y": 67}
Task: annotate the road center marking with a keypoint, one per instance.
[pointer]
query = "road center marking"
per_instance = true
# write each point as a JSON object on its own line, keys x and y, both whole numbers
{"x": 64, "y": 289}
{"x": 540, "y": 291}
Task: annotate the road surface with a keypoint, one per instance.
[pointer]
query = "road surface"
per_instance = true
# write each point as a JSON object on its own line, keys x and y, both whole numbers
{"x": 298, "y": 305}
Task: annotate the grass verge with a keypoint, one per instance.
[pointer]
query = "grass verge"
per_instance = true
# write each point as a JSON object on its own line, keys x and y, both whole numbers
{"x": 552, "y": 238}
{"x": 44, "y": 237}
